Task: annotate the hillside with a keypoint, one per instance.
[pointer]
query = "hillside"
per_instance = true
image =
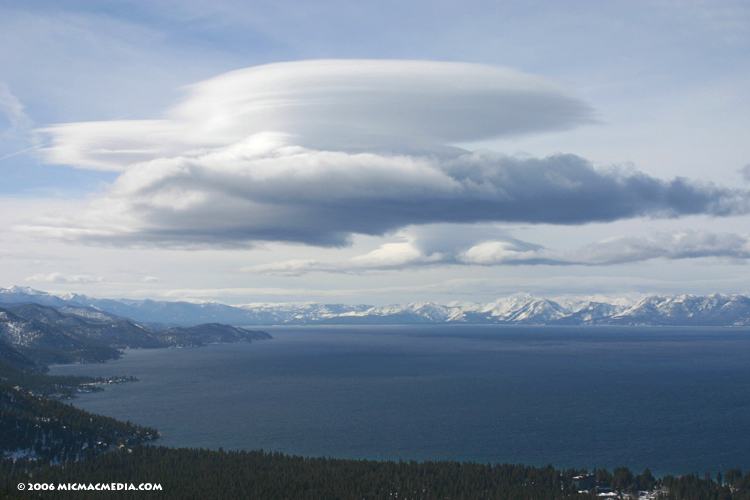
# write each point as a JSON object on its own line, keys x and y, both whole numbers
{"x": 33, "y": 335}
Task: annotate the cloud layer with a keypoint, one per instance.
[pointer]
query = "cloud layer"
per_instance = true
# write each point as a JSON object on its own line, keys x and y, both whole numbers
{"x": 619, "y": 250}
{"x": 316, "y": 151}
{"x": 416, "y": 253}
{"x": 261, "y": 191}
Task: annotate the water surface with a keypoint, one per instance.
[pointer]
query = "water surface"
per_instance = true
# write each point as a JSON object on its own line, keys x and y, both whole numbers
{"x": 676, "y": 400}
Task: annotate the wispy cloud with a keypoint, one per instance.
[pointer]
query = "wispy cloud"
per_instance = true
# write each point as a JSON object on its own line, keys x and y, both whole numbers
{"x": 17, "y": 133}
{"x": 65, "y": 278}
{"x": 13, "y": 110}
{"x": 745, "y": 172}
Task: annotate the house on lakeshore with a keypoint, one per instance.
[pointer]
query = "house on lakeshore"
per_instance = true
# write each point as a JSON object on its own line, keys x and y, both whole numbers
{"x": 586, "y": 482}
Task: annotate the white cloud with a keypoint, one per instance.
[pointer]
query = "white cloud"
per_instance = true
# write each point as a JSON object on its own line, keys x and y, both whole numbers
{"x": 392, "y": 255}
{"x": 513, "y": 252}
{"x": 64, "y": 278}
{"x": 618, "y": 250}
{"x": 331, "y": 104}
{"x": 389, "y": 256}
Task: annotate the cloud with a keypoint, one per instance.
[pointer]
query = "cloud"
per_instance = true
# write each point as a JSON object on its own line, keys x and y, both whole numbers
{"x": 12, "y": 108}
{"x": 264, "y": 191}
{"x": 618, "y": 250}
{"x": 331, "y": 105}
{"x": 17, "y": 132}
{"x": 63, "y": 278}
{"x": 513, "y": 252}
{"x": 389, "y": 256}
{"x": 316, "y": 151}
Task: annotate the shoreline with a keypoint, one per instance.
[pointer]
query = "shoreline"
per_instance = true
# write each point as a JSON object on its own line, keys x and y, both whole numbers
{"x": 309, "y": 347}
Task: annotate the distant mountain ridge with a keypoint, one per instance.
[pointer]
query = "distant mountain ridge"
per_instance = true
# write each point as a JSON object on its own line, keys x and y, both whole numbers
{"x": 33, "y": 335}
{"x": 519, "y": 309}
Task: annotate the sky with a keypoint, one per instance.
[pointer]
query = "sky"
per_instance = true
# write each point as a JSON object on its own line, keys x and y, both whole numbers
{"x": 374, "y": 152}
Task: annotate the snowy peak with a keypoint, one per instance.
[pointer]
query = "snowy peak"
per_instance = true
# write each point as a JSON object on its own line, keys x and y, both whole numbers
{"x": 522, "y": 308}
{"x": 519, "y": 308}
{"x": 688, "y": 310}
{"x": 25, "y": 290}
{"x": 24, "y": 294}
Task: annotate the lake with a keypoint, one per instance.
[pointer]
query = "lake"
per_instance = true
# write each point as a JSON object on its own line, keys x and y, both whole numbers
{"x": 675, "y": 400}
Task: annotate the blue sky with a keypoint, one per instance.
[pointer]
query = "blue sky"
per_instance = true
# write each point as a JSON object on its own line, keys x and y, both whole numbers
{"x": 374, "y": 152}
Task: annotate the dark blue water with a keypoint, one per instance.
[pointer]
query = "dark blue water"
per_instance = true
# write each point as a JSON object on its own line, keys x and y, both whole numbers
{"x": 674, "y": 400}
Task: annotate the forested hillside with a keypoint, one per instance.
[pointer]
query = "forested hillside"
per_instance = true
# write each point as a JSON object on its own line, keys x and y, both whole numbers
{"x": 34, "y": 335}
{"x": 38, "y": 430}
{"x": 201, "y": 474}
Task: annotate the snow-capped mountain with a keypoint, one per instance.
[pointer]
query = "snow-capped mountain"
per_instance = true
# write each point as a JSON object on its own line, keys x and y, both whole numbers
{"x": 522, "y": 308}
{"x": 696, "y": 310}
{"x": 590, "y": 313}
{"x": 24, "y": 294}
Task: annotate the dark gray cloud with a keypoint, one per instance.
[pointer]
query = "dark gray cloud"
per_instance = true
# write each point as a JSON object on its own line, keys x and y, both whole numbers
{"x": 288, "y": 193}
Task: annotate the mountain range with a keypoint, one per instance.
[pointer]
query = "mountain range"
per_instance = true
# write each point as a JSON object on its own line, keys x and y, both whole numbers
{"x": 519, "y": 309}
{"x": 34, "y": 334}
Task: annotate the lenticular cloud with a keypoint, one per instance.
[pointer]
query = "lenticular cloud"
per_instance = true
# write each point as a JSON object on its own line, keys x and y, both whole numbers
{"x": 331, "y": 105}
{"x": 316, "y": 151}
